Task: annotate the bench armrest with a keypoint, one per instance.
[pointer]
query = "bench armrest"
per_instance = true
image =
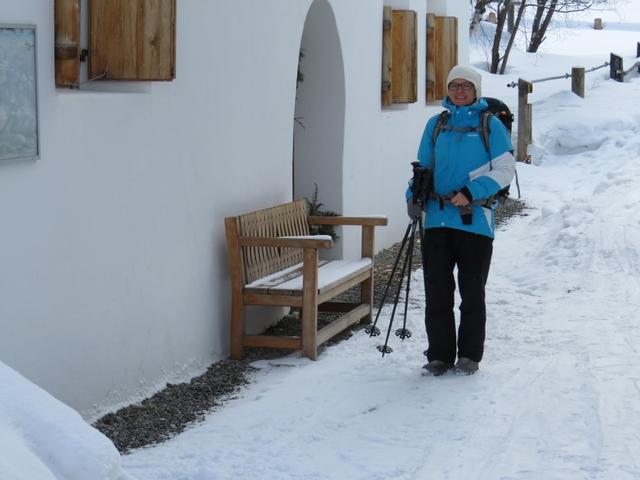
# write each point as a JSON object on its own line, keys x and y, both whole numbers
{"x": 322, "y": 241}
{"x": 374, "y": 220}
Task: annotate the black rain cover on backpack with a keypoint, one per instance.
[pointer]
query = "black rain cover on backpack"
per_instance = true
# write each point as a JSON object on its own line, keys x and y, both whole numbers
{"x": 499, "y": 109}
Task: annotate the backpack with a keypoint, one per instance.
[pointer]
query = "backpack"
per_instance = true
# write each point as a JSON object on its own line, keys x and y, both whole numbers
{"x": 495, "y": 108}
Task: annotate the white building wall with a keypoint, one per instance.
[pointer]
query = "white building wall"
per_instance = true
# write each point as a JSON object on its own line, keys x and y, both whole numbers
{"x": 113, "y": 263}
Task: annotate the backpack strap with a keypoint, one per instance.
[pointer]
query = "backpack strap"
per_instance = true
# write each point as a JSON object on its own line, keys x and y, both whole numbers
{"x": 485, "y": 129}
{"x": 442, "y": 122}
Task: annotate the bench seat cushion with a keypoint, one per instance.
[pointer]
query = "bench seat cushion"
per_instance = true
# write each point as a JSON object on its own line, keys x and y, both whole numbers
{"x": 330, "y": 274}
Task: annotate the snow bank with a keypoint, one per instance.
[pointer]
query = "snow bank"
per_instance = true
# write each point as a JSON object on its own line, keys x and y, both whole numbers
{"x": 43, "y": 439}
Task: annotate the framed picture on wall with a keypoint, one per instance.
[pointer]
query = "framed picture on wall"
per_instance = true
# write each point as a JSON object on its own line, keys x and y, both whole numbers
{"x": 18, "y": 92}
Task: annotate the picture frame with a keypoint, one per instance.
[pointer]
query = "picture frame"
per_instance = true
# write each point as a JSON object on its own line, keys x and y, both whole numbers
{"x": 19, "y": 127}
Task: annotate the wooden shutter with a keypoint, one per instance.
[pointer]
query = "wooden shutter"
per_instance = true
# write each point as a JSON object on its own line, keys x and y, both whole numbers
{"x": 132, "y": 39}
{"x": 404, "y": 72}
{"x": 399, "y": 57}
{"x": 67, "y": 43}
{"x": 442, "y": 54}
{"x": 387, "y": 59}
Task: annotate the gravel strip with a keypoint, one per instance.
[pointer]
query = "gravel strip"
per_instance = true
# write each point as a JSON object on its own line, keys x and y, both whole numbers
{"x": 172, "y": 410}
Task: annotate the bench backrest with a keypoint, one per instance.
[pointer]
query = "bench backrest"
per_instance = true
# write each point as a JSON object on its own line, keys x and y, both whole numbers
{"x": 289, "y": 219}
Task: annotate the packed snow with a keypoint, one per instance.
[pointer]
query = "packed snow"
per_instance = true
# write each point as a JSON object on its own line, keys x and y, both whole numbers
{"x": 556, "y": 394}
{"x": 43, "y": 439}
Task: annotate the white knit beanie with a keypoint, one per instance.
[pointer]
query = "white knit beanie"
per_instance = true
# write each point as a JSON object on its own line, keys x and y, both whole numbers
{"x": 469, "y": 74}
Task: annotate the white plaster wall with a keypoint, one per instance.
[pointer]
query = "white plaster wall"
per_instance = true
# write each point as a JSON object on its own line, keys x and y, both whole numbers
{"x": 113, "y": 263}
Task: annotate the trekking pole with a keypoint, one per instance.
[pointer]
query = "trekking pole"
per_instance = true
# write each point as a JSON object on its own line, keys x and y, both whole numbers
{"x": 404, "y": 332}
{"x": 372, "y": 330}
{"x": 384, "y": 349}
{"x": 424, "y": 260}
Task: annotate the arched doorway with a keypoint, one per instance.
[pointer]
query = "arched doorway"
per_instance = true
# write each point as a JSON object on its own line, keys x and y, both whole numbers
{"x": 319, "y": 113}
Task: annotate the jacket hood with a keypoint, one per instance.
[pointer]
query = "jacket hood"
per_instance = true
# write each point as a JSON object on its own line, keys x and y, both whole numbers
{"x": 479, "y": 105}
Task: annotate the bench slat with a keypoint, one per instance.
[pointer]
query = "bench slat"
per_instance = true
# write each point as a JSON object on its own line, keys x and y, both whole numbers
{"x": 284, "y": 220}
{"x": 293, "y": 343}
{"x": 278, "y": 278}
{"x": 330, "y": 273}
{"x": 330, "y": 292}
{"x": 253, "y": 298}
{"x": 343, "y": 322}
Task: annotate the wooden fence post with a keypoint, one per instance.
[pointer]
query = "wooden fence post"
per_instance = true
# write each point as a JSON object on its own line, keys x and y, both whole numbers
{"x": 597, "y": 23}
{"x": 616, "y": 70}
{"x": 524, "y": 120}
{"x": 577, "y": 81}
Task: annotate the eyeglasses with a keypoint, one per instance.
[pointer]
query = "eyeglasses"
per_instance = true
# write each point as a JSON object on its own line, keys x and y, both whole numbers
{"x": 466, "y": 86}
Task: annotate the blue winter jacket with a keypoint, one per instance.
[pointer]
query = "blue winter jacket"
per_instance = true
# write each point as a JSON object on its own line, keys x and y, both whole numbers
{"x": 459, "y": 160}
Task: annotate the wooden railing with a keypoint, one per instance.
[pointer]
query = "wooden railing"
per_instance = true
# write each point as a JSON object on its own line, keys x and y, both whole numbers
{"x": 577, "y": 76}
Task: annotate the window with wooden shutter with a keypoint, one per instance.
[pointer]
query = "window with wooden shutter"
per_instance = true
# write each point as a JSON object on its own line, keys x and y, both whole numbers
{"x": 399, "y": 57}
{"x": 442, "y": 54}
{"x": 132, "y": 39}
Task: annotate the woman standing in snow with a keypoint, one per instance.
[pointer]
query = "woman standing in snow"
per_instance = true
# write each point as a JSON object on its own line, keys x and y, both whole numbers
{"x": 459, "y": 226}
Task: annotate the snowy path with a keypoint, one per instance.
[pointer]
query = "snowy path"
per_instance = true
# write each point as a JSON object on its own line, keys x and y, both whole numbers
{"x": 556, "y": 396}
{"x": 557, "y": 393}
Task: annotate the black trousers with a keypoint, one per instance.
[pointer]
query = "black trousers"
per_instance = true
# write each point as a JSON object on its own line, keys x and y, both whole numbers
{"x": 442, "y": 250}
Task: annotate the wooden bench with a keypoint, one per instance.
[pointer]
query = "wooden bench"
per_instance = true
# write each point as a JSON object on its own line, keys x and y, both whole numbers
{"x": 274, "y": 262}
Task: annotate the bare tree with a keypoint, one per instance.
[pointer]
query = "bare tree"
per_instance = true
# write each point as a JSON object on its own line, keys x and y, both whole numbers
{"x": 501, "y": 7}
{"x": 498, "y": 61}
{"x": 502, "y": 10}
{"x": 545, "y": 10}
{"x": 513, "y": 32}
{"x": 479, "y": 8}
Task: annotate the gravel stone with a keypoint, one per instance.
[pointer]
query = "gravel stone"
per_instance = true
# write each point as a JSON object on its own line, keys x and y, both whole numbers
{"x": 173, "y": 409}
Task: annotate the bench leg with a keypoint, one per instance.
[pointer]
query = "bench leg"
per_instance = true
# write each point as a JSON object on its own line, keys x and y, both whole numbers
{"x": 366, "y": 297}
{"x": 237, "y": 327}
{"x": 310, "y": 304}
{"x": 366, "y": 287}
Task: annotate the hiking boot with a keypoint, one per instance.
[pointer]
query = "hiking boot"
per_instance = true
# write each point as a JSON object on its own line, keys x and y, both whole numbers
{"x": 437, "y": 368}
{"x": 466, "y": 366}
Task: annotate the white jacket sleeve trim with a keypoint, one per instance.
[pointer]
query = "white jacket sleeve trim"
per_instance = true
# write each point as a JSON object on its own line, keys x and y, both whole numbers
{"x": 504, "y": 167}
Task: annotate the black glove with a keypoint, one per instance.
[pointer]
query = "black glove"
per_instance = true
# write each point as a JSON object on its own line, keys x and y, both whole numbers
{"x": 414, "y": 210}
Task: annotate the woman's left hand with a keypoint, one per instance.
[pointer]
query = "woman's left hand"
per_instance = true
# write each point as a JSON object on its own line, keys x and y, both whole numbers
{"x": 460, "y": 200}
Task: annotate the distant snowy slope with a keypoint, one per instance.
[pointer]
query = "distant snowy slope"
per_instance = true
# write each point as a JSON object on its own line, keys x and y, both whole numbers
{"x": 43, "y": 439}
